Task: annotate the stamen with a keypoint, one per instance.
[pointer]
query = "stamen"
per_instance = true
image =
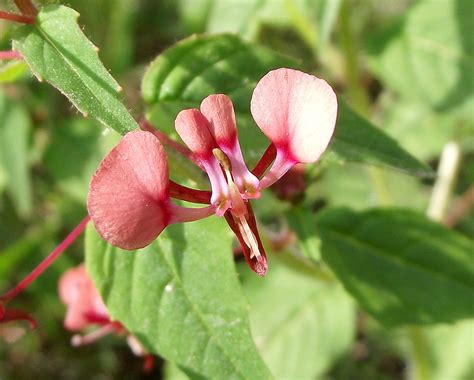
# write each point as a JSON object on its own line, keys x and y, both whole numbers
{"x": 249, "y": 237}
{"x": 94, "y": 336}
{"x": 222, "y": 158}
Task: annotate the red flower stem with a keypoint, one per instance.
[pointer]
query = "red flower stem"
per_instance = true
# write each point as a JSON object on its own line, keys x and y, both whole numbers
{"x": 24, "y": 19}
{"x": 184, "y": 193}
{"x": 8, "y": 296}
{"x": 26, "y": 7}
{"x": 18, "y": 315}
{"x": 267, "y": 158}
{"x": 10, "y": 54}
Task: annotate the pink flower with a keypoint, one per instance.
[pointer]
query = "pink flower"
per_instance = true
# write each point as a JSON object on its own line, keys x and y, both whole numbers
{"x": 85, "y": 308}
{"x": 84, "y": 305}
{"x": 130, "y": 194}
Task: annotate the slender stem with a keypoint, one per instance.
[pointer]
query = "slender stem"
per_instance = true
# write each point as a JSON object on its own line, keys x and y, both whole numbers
{"x": 81, "y": 340}
{"x": 447, "y": 174}
{"x": 184, "y": 193}
{"x": 10, "y": 54}
{"x": 420, "y": 369}
{"x": 26, "y": 7}
{"x": 24, "y": 19}
{"x": 46, "y": 262}
{"x": 17, "y": 315}
{"x": 267, "y": 158}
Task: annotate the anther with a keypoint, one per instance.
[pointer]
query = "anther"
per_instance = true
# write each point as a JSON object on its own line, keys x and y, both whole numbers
{"x": 222, "y": 158}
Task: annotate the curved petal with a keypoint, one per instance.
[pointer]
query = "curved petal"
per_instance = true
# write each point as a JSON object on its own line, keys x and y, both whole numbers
{"x": 128, "y": 194}
{"x": 193, "y": 128}
{"x": 296, "y": 111}
{"x": 219, "y": 110}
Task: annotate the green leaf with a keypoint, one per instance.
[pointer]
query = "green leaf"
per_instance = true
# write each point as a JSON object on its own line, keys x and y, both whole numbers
{"x": 456, "y": 362}
{"x": 58, "y": 52}
{"x": 400, "y": 266}
{"x": 12, "y": 71}
{"x": 427, "y": 56}
{"x": 302, "y": 222}
{"x": 180, "y": 296}
{"x": 84, "y": 142}
{"x": 356, "y": 139}
{"x": 201, "y": 65}
{"x": 301, "y": 325}
{"x": 14, "y": 158}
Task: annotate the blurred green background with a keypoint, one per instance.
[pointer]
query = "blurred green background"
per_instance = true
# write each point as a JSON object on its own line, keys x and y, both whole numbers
{"x": 406, "y": 65}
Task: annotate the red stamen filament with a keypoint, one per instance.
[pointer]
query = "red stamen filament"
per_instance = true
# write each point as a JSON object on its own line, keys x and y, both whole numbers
{"x": 24, "y": 19}
{"x": 8, "y": 296}
{"x": 10, "y": 55}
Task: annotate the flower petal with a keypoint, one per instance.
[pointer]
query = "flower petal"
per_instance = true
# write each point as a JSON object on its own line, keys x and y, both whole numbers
{"x": 81, "y": 297}
{"x": 128, "y": 195}
{"x": 193, "y": 128}
{"x": 296, "y": 111}
{"x": 219, "y": 110}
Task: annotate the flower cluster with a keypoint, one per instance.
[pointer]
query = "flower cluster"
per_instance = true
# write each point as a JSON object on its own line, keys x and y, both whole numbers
{"x": 130, "y": 194}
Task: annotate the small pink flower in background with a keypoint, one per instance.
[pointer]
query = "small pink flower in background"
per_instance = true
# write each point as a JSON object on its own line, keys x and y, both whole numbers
{"x": 84, "y": 305}
{"x": 130, "y": 194}
{"x": 85, "y": 308}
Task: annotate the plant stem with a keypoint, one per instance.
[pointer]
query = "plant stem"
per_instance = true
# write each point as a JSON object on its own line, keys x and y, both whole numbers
{"x": 267, "y": 158}
{"x": 26, "y": 7}
{"x": 358, "y": 95}
{"x": 35, "y": 273}
{"x": 24, "y": 19}
{"x": 447, "y": 174}
{"x": 420, "y": 369}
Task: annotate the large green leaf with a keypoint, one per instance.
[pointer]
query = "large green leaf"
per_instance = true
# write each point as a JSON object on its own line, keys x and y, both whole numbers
{"x": 310, "y": 325}
{"x": 180, "y": 296}
{"x": 14, "y": 158}
{"x": 201, "y": 65}
{"x": 400, "y": 266}
{"x": 428, "y": 55}
{"x": 58, "y": 52}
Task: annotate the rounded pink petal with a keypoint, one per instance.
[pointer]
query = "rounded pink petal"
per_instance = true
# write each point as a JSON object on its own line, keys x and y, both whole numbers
{"x": 296, "y": 111}
{"x": 128, "y": 195}
{"x": 77, "y": 291}
{"x": 219, "y": 110}
{"x": 193, "y": 128}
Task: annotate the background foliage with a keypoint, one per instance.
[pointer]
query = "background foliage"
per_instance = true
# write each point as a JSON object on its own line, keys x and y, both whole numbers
{"x": 361, "y": 284}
